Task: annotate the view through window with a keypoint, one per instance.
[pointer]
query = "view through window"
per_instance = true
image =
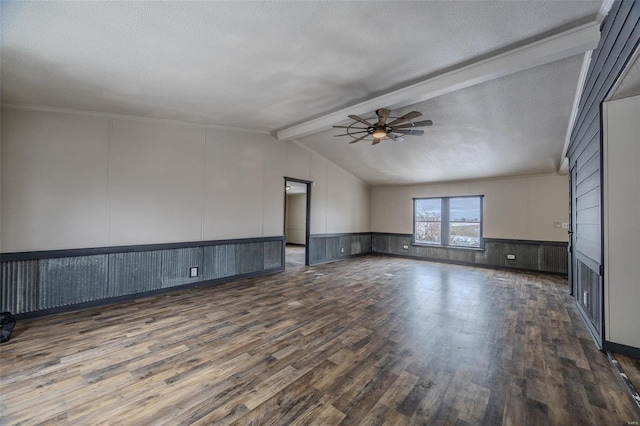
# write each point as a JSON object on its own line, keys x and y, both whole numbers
{"x": 448, "y": 221}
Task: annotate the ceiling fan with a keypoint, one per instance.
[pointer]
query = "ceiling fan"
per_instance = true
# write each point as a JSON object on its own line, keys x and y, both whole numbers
{"x": 380, "y": 130}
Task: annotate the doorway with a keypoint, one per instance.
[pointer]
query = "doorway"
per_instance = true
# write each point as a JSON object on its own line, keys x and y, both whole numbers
{"x": 297, "y": 208}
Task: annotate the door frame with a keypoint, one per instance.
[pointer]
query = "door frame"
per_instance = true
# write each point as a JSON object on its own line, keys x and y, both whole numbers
{"x": 307, "y": 231}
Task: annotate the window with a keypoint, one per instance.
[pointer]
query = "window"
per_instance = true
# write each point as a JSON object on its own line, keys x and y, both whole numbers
{"x": 448, "y": 221}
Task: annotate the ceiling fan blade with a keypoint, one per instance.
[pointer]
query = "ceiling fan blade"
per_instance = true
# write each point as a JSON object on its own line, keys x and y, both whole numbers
{"x": 359, "y": 139}
{"x": 361, "y": 120}
{"x": 406, "y": 117}
{"x": 383, "y": 114}
{"x": 375, "y": 141}
{"x": 352, "y": 133}
{"x": 396, "y": 138}
{"x": 412, "y": 132}
{"x": 416, "y": 124}
{"x": 350, "y": 127}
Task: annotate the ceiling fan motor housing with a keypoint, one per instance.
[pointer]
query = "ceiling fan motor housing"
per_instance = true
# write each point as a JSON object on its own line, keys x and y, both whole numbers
{"x": 379, "y": 131}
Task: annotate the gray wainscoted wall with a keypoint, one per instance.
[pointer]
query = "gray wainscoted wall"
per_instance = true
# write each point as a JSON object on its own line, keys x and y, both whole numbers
{"x": 329, "y": 247}
{"x": 35, "y": 282}
{"x": 620, "y": 37}
{"x": 543, "y": 256}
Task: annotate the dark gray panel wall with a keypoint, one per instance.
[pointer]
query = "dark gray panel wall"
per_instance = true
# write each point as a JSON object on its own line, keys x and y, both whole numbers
{"x": 134, "y": 272}
{"x": 57, "y": 280}
{"x": 620, "y": 36}
{"x": 19, "y": 286}
{"x": 530, "y": 255}
{"x": 72, "y": 280}
{"x": 219, "y": 262}
{"x": 176, "y": 264}
{"x": 330, "y": 247}
{"x": 272, "y": 254}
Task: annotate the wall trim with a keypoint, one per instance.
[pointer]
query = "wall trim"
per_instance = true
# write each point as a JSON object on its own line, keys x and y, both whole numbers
{"x": 115, "y": 116}
{"x": 510, "y": 241}
{"x": 484, "y": 239}
{"x": 619, "y": 348}
{"x": 89, "y": 251}
{"x": 141, "y": 295}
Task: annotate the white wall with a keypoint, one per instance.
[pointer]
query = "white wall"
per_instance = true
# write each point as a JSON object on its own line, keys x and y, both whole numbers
{"x": 522, "y": 208}
{"x": 76, "y": 179}
{"x": 621, "y": 135}
{"x": 296, "y": 218}
{"x": 339, "y": 201}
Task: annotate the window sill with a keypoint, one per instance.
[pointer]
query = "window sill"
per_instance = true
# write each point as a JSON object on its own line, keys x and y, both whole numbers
{"x": 438, "y": 246}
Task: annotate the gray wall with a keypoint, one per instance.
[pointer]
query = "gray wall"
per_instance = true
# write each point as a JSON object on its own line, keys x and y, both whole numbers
{"x": 542, "y": 256}
{"x": 329, "y": 247}
{"x": 620, "y": 37}
{"x": 43, "y": 281}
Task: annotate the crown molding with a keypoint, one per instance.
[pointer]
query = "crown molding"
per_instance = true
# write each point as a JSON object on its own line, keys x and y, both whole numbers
{"x": 559, "y": 46}
{"x": 109, "y": 115}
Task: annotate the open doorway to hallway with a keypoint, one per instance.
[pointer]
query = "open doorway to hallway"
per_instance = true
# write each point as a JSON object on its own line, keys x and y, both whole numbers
{"x": 296, "y": 222}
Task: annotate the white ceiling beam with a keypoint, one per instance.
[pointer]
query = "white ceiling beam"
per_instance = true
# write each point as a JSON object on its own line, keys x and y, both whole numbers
{"x": 559, "y": 46}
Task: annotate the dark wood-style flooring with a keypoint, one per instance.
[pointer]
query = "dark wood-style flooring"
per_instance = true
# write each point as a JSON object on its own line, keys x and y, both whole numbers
{"x": 372, "y": 340}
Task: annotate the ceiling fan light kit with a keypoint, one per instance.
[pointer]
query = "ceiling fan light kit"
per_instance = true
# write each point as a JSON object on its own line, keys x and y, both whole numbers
{"x": 381, "y": 130}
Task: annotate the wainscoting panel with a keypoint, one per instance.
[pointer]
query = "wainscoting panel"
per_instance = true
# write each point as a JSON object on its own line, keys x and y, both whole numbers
{"x": 176, "y": 264}
{"x": 58, "y": 280}
{"x": 219, "y": 262}
{"x": 134, "y": 272}
{"x": 273, "y": 252}
{"x": 543, "y": 256}
{"x": 72, "y": 280}
{"x": 317, "y": 250}
{"x": 329, "y": 247}
{"x": 361, "y": 244}
{"x": 250, "y": 257}
{"x": 19, "y": 286}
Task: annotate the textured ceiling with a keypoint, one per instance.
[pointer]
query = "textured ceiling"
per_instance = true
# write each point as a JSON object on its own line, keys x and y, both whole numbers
{"x": 269, "y": 65}
{"x": 509, "y": 126}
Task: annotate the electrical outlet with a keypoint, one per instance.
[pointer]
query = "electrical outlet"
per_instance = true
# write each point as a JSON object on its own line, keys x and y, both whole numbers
{"x": 193, "y": 272}
{"x": 405, "y": 246}
{"x": 341, "y": 249}
{"x": 585, "y": 299}
{"x": 565, "y": 225}
{"x": 511, "y": 256}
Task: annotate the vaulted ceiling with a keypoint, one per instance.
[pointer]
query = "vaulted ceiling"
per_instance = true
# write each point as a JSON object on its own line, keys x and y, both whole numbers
{"x": 498, "y": 79}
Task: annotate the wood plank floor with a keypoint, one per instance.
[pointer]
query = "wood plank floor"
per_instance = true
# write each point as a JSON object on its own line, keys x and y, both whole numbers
{"x": 372, "y": 340}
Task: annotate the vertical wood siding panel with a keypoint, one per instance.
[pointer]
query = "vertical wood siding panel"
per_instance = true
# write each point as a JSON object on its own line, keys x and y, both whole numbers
{"x": 19, "y": 286}
{"x": 70, "y": 280}
{"x": 272, "y": 254}
{"x": 176, "y": 264}
{"x": 135, "y": 272}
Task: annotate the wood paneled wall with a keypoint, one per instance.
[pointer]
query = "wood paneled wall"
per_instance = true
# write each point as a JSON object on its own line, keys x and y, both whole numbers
{"x": 619, "y": 39}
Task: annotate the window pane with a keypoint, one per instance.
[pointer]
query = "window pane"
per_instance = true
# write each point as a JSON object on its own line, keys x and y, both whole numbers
{"x": 464, "y": 234}
{"x": 429, "y": 209}
{"x": 465, "y": 209}
{"x": 428, "y": 232}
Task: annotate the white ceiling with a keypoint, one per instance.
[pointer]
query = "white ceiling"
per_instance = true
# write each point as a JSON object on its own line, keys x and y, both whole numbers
{"x": 271, "y": 65}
